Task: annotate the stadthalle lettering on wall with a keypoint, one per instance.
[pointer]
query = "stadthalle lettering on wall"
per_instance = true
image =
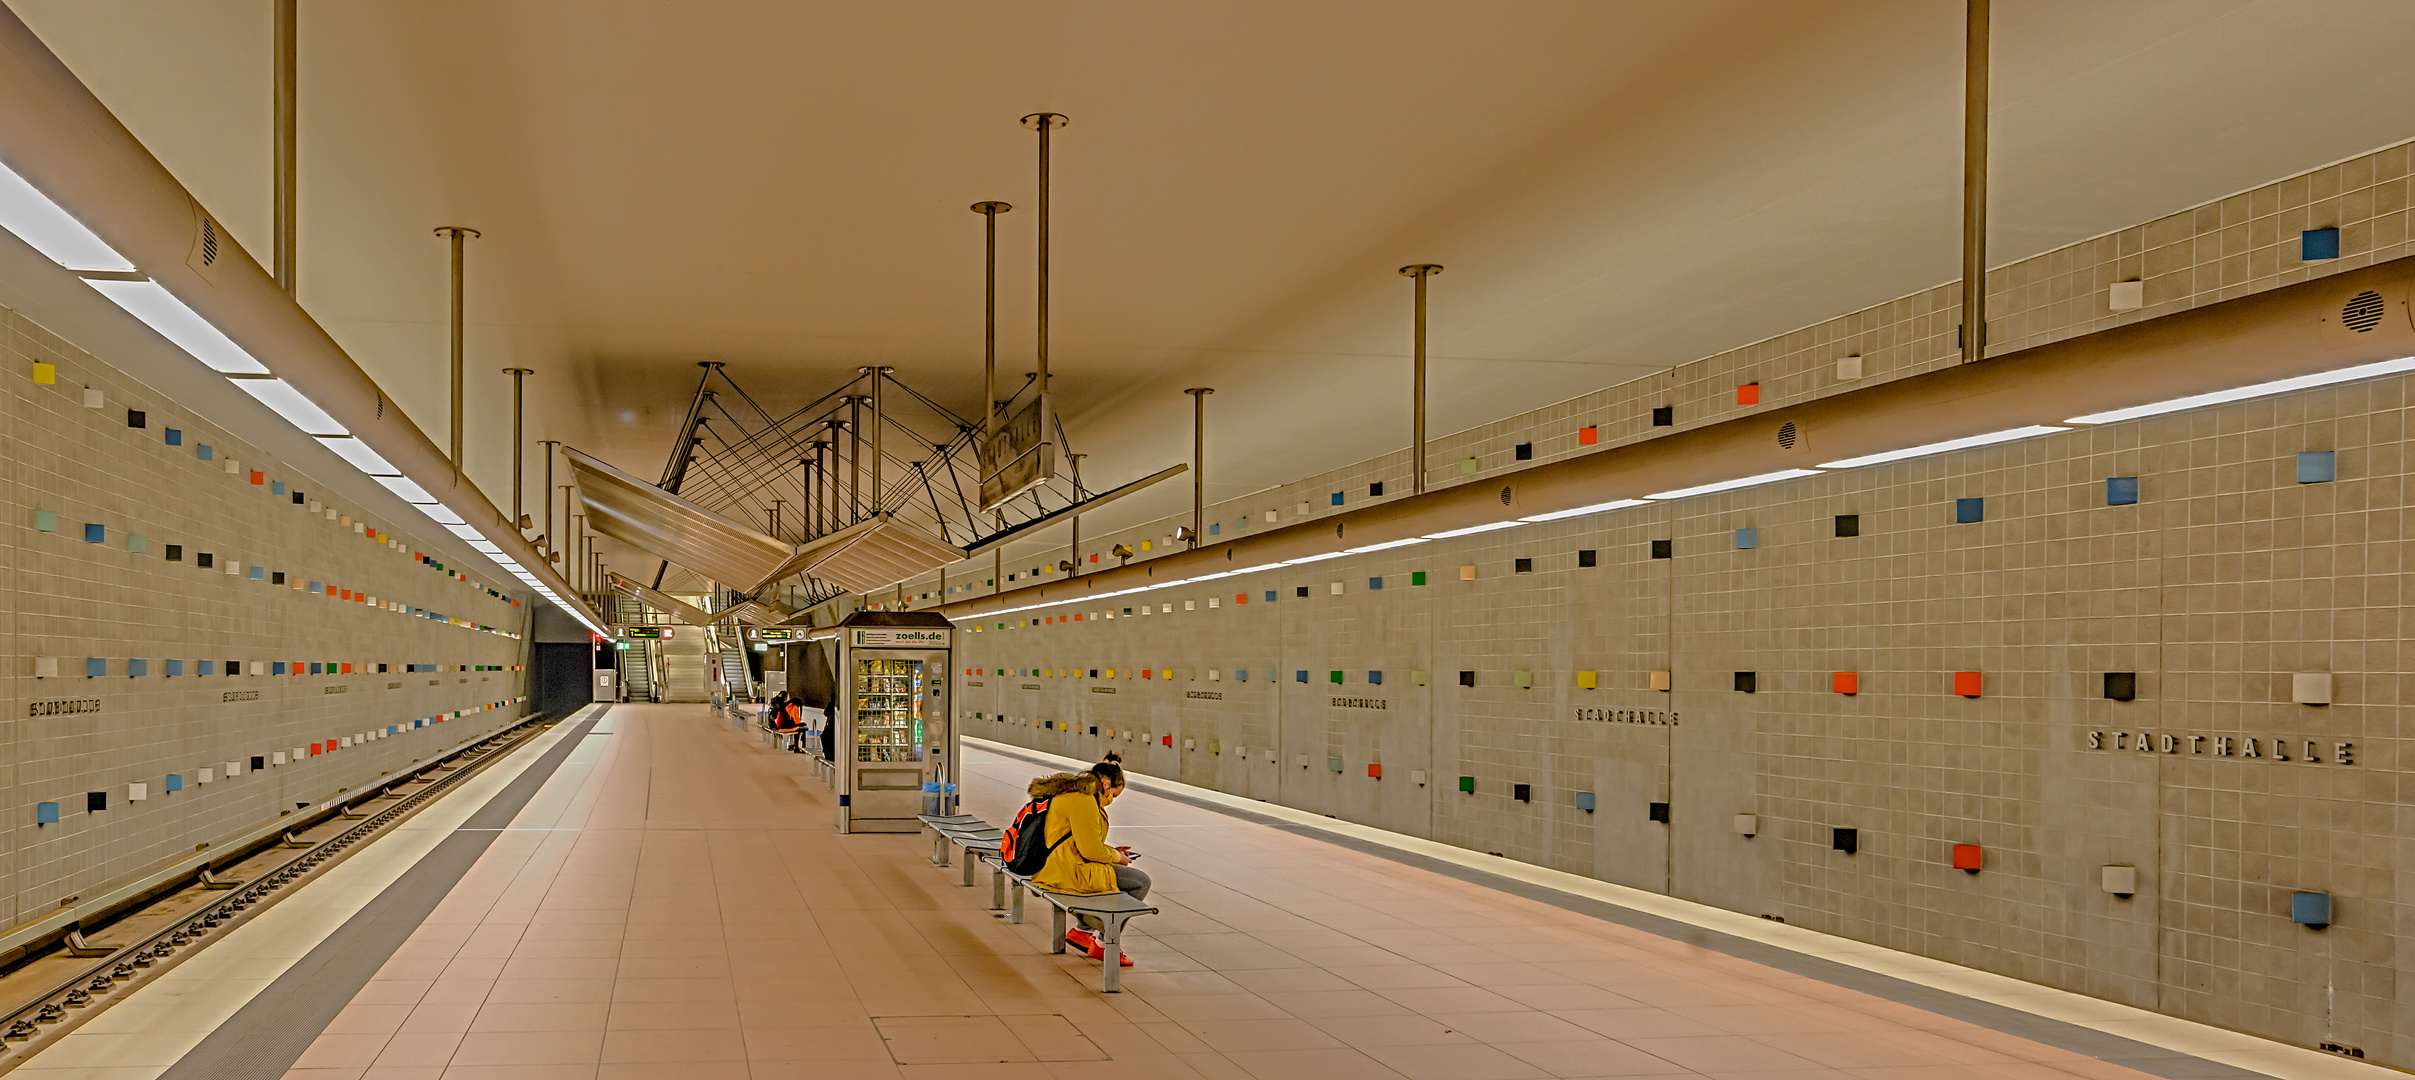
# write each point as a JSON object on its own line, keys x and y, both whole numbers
{"x": 1358, "y": 703}
{"x": 62, "y": 708}
{"x": 1628, "y": 716}
{"x": 2261, "y": 748}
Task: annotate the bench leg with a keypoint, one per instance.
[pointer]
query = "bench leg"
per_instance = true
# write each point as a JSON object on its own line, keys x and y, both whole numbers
{"x": 1110, "y": 937}
{"x": 1017, "y": 916}
{"x": 969, "y": 860}
{"x": 1056, "y": 929}
{"x": 939, "y": 848}
{"x": 997, "y": 888}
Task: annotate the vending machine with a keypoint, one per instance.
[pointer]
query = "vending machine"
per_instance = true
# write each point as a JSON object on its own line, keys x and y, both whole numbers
{"x": 896, "y": 747}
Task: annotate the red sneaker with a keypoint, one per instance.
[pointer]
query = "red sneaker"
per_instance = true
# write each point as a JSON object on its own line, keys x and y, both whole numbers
{"x": 1098, "y": 952}
{"x": 1085, "y": 941}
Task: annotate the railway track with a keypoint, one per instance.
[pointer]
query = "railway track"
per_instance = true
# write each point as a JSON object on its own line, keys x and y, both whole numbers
{"x": 54, "y": 993}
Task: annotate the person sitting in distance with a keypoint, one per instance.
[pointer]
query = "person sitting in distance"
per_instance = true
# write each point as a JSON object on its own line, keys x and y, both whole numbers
{"x": 1088, "y": 865}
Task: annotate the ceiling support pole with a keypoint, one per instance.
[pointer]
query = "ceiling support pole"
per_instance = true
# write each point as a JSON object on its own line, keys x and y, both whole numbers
{"x": 878, "y": 375}
{"x": 287, "y": 46}
{"x": 564, "y": 544}
{"x": 1198, "y": 458}
{"x": 989, "y": 211}
{"x": 519, "y": 519}
{"x": 453, "y": 235}
{"x": 1417, "y": 440}
{"x": 553, "y": 540}
{"x": 1043, "y": 122}
{"x": 1074, "y": 461}
{"x": 1974, "y": 182}
{"x": 855, "y": 454}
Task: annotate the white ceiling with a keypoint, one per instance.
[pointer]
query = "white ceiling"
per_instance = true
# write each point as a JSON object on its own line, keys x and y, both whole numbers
{"x": 1614, "y": 187}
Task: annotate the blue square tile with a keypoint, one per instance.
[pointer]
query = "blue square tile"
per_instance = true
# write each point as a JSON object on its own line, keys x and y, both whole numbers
{"x": 175, "y": 437}
{"x": 2121, "y": 490}
{"x": 136, "y": 669}
{"x": 1967, "y": 511}
{"x": 1375, "y": 678}
{"x": 259, "y": 573}
{"x": 1299, "y": 676}
{"x": 1747, "y": 538}
{"x": 95, "y": 667}
{"x": 2317, "y": 467}
{"x": 1584, "y": 801}
{"x": 175, "y": 782}
{"x": 204, "y": 452}
{"x": 276, "y": 667}
{"x": 276, "y": 487}
{"x": 1240, "y": 674}
{"x": 1270, "y": 596}
{"x": 2310, "y": 908}
{"x": 1375, "y": 583}
{"x": 1215, "y": 527}
{"x": 175, "y": 668}
{"x": 1337, "y": 498}
{"x": 46, "y": 813}
{"x": 95, "y": 534}
{"x": 2316, "y": 245}
{"x": 206, "y": 666}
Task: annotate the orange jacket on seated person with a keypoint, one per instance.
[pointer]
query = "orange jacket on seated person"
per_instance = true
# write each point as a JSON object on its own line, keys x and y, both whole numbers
{"x": 1085, "y": 866}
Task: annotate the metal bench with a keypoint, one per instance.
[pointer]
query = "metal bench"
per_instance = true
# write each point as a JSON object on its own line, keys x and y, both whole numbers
{"x": 1111, "y": 910}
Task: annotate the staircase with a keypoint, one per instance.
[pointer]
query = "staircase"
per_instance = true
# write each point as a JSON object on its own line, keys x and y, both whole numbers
{"x": 686, "y": 671}
{"x": 637, "y": 670}
{"x": 734, "y": 677}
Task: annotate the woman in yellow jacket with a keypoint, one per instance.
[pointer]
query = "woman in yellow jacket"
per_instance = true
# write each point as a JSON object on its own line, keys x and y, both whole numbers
{"x": 1080, "y": 861}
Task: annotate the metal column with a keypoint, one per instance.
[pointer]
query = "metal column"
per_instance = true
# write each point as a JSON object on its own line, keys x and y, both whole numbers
{"x": 1974, "y": 182}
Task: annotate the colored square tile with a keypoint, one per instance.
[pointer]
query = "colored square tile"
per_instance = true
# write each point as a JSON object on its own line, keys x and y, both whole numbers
{"x": 95, "y": 533}
{"x": 2317, "y": 245}
{"x": 1968, "y": 511}
{"x": 1747, "y": 539}
{"x": 2317, "y": 466}
{"x": 2121, "y": 490}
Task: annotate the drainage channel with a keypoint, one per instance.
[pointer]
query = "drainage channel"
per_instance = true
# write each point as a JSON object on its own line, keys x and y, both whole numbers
{"x": 46, "y": 1014}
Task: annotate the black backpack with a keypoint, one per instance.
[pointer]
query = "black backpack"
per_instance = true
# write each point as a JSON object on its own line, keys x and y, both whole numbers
{"x": 1025, "y": 843}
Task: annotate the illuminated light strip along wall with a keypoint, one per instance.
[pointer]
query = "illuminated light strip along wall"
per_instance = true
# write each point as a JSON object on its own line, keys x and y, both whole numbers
{"x": 2194, "y": 401}
{"x": 34, "y": 218}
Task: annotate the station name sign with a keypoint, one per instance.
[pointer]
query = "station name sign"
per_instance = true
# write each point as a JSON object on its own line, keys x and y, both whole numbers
{"x": 898, "y": 637}
{"x": 62, "y": 708}
{"x": 775, "y": 633}
{"x": 647, "y": 632}
{"x": 2274, "y": 748}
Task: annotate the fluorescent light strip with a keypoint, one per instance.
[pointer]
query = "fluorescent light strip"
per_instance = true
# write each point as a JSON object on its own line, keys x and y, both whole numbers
{"x": 1385, "y": 546}
{"x": 1965, "y": 443}
{"x": 1597, "y": 508}
{"x": 1474, "y": 529}
{"x": 147, "y": 301}
{"x": 359, "y": 456}
{"x": 2264, "y": 389}
{"x": 54, "y": 232}
{"x": 282, "y": 399}
{"x": 1731, "y": 485}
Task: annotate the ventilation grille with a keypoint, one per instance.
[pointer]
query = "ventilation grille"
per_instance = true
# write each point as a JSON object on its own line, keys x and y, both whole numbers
{"x": 1505, "y": 496}
{"x": 209, "y": 243}
{"x": 1786, "y": 435}
{"x": 2363, "y": 311}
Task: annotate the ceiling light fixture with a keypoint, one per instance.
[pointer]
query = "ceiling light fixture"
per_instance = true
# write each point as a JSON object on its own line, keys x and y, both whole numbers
{"x": 147, "y": 301}
{"x": 1731, "y": 485}
{"x": 1965, "y": 443}
{"x": 2263, "y": 389}
{"x": 52, "y": 231}
{"x": 282, "y": 399}
{"x": 1474, "y": 529}
{"x": 1597, "y": 508}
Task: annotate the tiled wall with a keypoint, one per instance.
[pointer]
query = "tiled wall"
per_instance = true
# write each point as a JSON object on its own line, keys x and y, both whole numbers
{"x": 2246, "y": 243}
{"x": 361, "y": 647}
{"x": 2225, "y": 579}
